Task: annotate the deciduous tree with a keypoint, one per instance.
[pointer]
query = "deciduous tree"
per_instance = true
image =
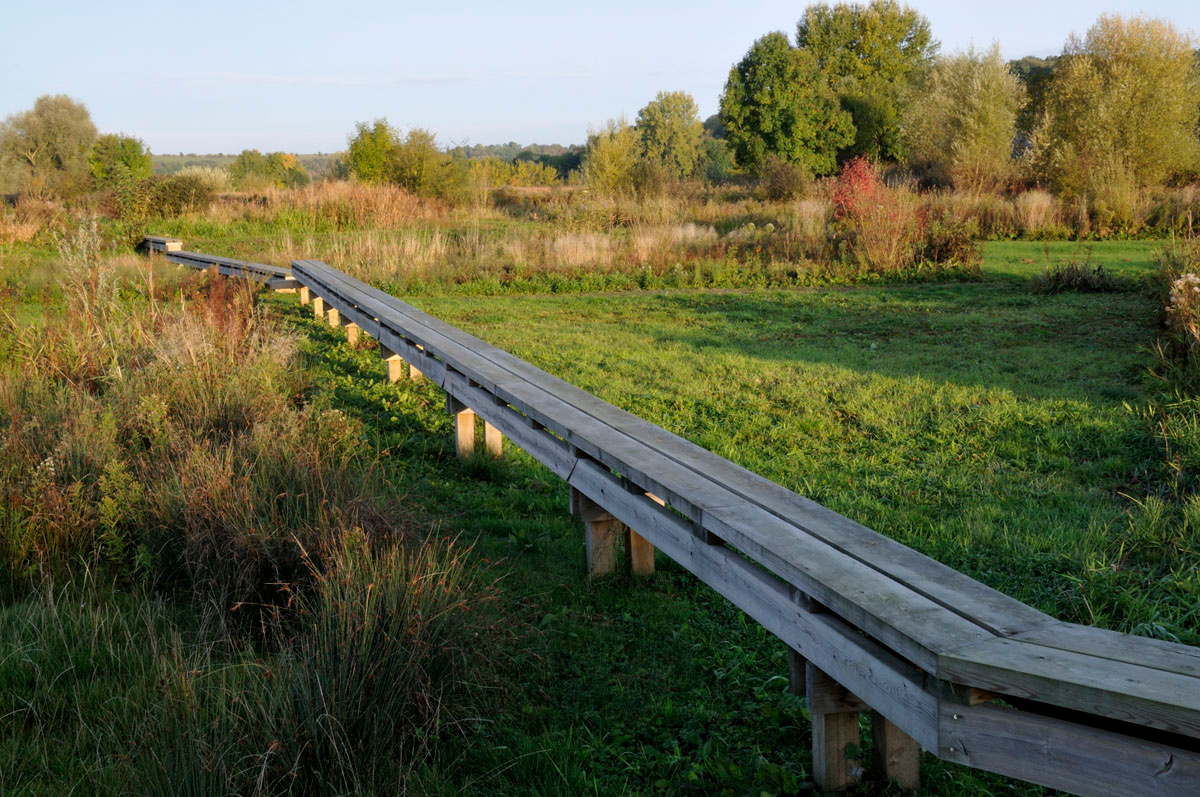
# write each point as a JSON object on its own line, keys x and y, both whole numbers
{"x": 777, "y": 101}
{"x": 1121, "y": 107}
{"x": 114, "y": 157}
{"x": 870, "y": 55}
{"x": 671, "y": 132}
{"x": 44, "y": 149}
{"x": 962, "y": 124}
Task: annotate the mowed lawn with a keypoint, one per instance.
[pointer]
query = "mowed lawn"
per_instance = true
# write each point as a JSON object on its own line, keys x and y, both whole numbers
{"x": 980, "y": 423}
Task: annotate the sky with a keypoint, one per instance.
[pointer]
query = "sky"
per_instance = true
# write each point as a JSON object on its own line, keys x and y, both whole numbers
{"x": 222, "y": 76}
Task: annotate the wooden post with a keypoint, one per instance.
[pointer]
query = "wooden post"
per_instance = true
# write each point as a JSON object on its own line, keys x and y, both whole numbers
{"x": 897, "y": 754}
{"x": 493, "y": 440}
{"x": 395, "y": 368}
{"x": 834, "y": 726}
{"x": 464, "y": 426}
{"x": 352, "y": 330}
{"x": 318, "y": 307}
{"x": 600, "y": 534}
{"x": 797, "y": 673}
{"x": 304, "y": 296}
{"x": 335, "y": 318}
{"x": 639, "y": 553}
{"x": 415, "y": 374}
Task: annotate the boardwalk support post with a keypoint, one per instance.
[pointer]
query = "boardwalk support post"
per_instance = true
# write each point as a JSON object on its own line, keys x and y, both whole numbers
{"x": 352, "y": 331}
{"x": 304, "y": 294}
{"x": 464, "y": 426}
{"x": 834, "y": 712}
{"x": 897, "y": 754}
{"x": 395, "y": 363}
{"x": 335, "y": 318}
{"x": 493, "y": 440}
{"x": 318, "y": 308}
{"x": 600, "y": 534}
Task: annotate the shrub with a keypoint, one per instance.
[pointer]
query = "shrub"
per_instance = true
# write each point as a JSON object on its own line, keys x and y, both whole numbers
{"x": 1037, "y": 213}
{"x": 883, "y": 225}
{"x": 113, "y": 158}
{"x": 182, "y": 193}
{"x": 214, "y": 178}
{"x": 254, "y": 171}
{"x": 1079, "y": 278}
{"x": 610, "y": 158}
{"x": 781, "y": 181}
{"x": 1179, "y": 290}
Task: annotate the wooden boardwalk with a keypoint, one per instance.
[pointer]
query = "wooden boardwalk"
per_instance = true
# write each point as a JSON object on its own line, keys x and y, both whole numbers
{"x": 942, "y": 662}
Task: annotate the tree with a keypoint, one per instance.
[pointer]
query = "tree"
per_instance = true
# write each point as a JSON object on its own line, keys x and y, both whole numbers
{"x": 372, "y": 151}
{"x": 1121, "y": 107}
{"x": 44, "y": 149}
{"x": 114, "y": 157}
{"x": 963, "y": 122}
{"x": 671, "y": 132}
{"x": 777, "y": 101}
{"x": 253, "y": 170}
{"x": 870, "y": 54}
{"x": 610, "y": 158}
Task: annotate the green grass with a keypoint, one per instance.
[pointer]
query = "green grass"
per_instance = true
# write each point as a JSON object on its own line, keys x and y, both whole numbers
{"x": 990, "y": 427}
{"x": 977, "y": 422}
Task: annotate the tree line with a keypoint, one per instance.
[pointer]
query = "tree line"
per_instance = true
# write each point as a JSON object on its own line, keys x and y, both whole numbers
{"x": 1117, "y": 111}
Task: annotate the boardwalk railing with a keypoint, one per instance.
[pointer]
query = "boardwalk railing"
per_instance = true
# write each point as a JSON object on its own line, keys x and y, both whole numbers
{"x": 939, "y": 659}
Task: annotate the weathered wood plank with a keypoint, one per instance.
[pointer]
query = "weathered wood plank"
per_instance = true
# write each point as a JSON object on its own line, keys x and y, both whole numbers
{"x": 1154, "y": 653}
{"x": 1063, "y": 755}
{"x": 1118, "y": 690}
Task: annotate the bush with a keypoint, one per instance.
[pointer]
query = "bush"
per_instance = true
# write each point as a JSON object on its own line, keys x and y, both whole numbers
{"x": 214, "y": 177}
{"x": 782, "y": 181}
{"x": 883, "y": 225}
{"x": 182, "y": 193}
{"x": 1078, "y": 278}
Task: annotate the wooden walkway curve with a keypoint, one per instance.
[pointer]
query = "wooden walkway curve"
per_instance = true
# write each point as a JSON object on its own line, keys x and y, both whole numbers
{"x": 942, "y": 661}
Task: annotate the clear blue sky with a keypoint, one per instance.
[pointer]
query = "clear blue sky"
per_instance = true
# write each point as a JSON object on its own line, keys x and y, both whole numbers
{"x": 221, "y": 76}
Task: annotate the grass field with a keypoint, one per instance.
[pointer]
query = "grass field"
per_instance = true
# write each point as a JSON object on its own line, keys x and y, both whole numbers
{"x": 1001, "y": 431}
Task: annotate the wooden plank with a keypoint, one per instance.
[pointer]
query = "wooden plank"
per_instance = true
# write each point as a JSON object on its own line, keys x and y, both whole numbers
{"x": 834, "y": 729}
{"x": 1153, "y": 653}
{"x": 890, "y": 685}
{"x": 1064, "y": 755}
{"x": 493, "y": 439}
{"x": 897, "y": 755}
{"x": 1126, "y": 692}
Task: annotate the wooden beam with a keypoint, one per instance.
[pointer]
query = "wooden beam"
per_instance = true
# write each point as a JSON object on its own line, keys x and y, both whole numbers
{"x": 897, "y": 754}
{"x": 834, "y": 728}
{"x": 493, "y": 440}
{"x": 600, "y": 534}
